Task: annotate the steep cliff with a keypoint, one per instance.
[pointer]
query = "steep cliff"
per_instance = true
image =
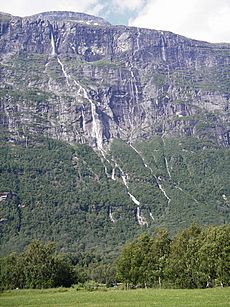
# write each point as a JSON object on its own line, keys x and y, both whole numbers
{"x": 76, "y": 78}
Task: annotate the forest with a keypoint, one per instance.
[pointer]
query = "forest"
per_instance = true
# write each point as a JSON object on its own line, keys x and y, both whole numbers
{"x": 196, "y": 257}
{"x": 73, "y": 196}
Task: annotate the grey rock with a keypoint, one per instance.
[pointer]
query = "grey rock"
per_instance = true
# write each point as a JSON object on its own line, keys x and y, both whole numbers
{"x": 75, "y": 77}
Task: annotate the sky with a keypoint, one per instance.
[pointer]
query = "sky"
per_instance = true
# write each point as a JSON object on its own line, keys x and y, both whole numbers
{"x": 207, "y": 20}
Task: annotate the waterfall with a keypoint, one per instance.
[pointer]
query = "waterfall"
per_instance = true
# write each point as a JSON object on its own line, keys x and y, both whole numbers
{"x": 138, "y": 43}
{"x": 53, "y": 52}
{"x": 151, "y": 215}
{"x": 113, "y": 174}
{"x": 163, "y": 52}
{"x": 141, "y": 220}
{"x": 111, "y": 215}
{"x": 134, "y": 84}
{"x": 157, "y": 180}
{"x": 106, "y": 171}
{"x": 166, "y": 161}
{"x": 134, "y": 199}
{"x": 123, "y": 177}
{"x": 167, "y": 168}
{"x": 96, "y": 127}
{"x": 64, "y": 72}
{"x": 164, "y": 192}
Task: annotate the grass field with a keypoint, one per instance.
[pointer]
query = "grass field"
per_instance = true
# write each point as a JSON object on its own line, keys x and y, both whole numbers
{"x": 116, "y": 298}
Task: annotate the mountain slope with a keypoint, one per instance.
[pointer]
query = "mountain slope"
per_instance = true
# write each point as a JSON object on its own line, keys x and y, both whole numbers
{"x": 153, "y": 105}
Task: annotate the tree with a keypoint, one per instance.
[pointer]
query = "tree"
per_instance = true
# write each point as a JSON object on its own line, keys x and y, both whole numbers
{"x": 182, "y": 263}
{"x": 130, "y": 268}
{"x": 39, "y": 265}
{"x": 214, "y": 254}
{"x": 12, "y": 275}
{"x": 155, "y": 259}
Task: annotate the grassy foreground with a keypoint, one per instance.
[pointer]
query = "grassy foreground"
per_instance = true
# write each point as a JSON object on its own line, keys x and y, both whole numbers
{"x": 117, "y": 298}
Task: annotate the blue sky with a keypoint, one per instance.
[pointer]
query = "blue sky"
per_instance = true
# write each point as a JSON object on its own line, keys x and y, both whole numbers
{"x": 200, "y": 19}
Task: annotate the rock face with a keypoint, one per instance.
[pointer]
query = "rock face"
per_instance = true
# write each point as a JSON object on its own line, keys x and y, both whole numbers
{"x": 76, "y": 78}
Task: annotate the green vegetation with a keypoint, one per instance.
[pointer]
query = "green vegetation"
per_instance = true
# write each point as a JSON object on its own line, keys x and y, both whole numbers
{"x": 116, "y": 298}
{"x": 195, "y": 258}
{"x": 62, "y": 193}
{"x": 36, "y": 267}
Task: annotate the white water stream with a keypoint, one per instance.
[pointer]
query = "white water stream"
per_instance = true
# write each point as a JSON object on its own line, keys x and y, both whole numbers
{"x": 111, "y": 216}
{"x": 96, "y": 127}
{"x": 53, "y": 50}
{"x": 151, "y": 215}
{"x": 157, "y": 180}
{"x": 113, "y": 174}
{"x": 141, "y": 220}
{"x": 63, "y": 70}
{"x": 166, "y": 161}
{"x": 96, "y": 123}
{"x": 163, "y": 52}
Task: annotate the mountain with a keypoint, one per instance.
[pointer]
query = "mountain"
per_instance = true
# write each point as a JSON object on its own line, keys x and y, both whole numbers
{"x": 107, "y": 131}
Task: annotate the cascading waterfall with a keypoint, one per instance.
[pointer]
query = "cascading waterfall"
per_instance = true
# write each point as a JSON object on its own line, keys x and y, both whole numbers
{"x": 151, "y": 215}
{"x": 163, "y": 191}
{"x": 113, "y": 174}
{"x": 140, "y": 156}
{"x": 111, "y": 216}
{"x": 167, "y": 167}
{"x": 106, "y": 171}
{"x": 163, "y": 52}
{"x": 141, "y": 220}
{"x": 96, "y": 124}
{"x": 54, "y": 53}
{"x": 135, "y": 201}
{"x": 157, "y": 179}
{"x": 53, "y": 50}
{"x": 96, "y": 127}
{"x": 166, "y": 161}
{"x": 63, "y": 70}
{"x": 134, "y": 84}
{"x": 137, "y": 42}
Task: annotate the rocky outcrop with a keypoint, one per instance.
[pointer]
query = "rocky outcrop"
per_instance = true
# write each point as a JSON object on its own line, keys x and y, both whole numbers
{"x": 75, "y": 77}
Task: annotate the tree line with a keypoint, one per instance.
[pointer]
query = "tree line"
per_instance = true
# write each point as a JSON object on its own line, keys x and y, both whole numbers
{"x": 196, "y": 257}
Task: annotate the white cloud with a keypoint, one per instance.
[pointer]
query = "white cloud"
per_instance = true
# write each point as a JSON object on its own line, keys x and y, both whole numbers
{"x": 130, "y": 5}
{"x": 200, "y": 19}
{"x": 30, "y": 7}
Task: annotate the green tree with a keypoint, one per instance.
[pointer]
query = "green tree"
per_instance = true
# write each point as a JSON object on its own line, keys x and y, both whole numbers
{"x": 155, "y": 259}
{"x": 182, "y": 265}
{"x": 130, "y": 268}
{"x": 214, "y": 254}
{"x": 12, "y": 275}
{"x": 39, "y": 265}
{"x": 63, "y": 272}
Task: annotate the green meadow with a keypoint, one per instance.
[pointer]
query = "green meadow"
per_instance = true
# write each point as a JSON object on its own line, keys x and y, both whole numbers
{"x": 116, "y": 298}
